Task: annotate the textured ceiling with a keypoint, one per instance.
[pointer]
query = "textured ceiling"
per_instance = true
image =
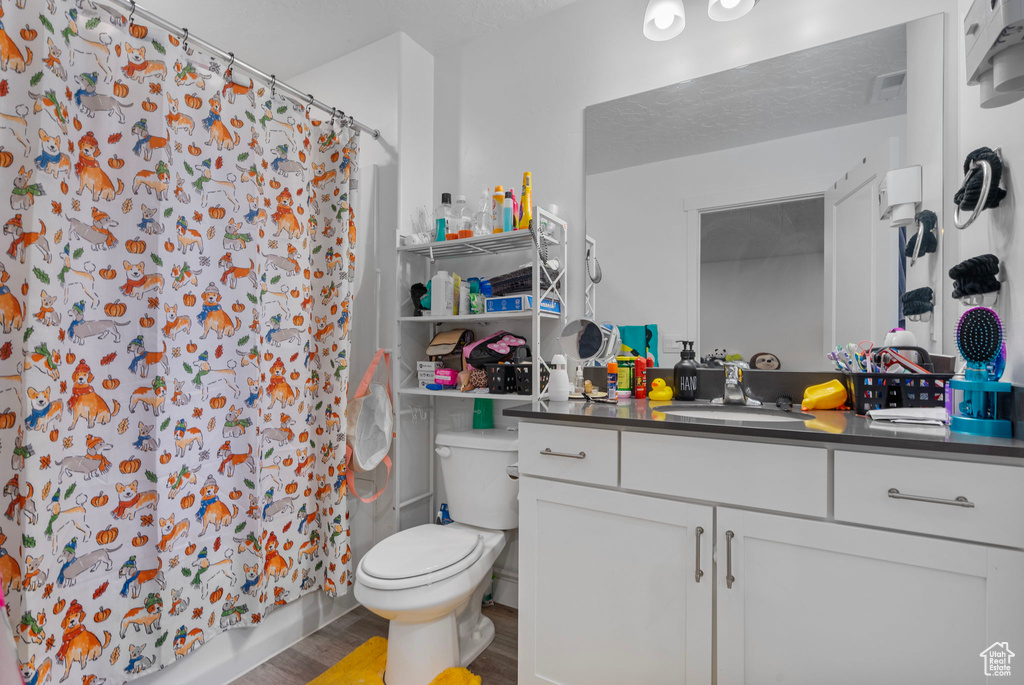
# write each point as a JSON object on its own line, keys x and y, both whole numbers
{"x": 288, "y": 37}
{"x": 782, "y": 229}
{"x": 807, "y": 91}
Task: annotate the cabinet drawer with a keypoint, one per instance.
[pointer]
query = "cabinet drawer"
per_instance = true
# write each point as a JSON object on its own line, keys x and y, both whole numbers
{"x": 749, "y": 474}
{"x": 871, "y": 489}
{"x": 584, "y": 455}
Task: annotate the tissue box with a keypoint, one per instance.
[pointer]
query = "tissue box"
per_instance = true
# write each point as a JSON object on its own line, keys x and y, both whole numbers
{"x": 521, "y": 303}
{"x": 428, "y": 366}
{"x": 447, "y": 377}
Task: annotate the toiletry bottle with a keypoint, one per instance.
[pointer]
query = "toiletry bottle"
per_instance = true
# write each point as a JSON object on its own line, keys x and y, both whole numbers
{"x": 613, "y": 380}
{"x": 684, "y": 374}
{"x": 442, "y": 294}
{"x": 482, "y": 218}
{"x": 452, "y": 229}
{"x": 580, "y": 382}
{"x": 443, "y": 218}
{"x": 640, "y": 379}
{"x": 507, "y": 223}
{"x": 526, "y": 203}
{"x": 463, "y": 218}
{"x": 497, "y": 209}
{"x": 558, "y": 385}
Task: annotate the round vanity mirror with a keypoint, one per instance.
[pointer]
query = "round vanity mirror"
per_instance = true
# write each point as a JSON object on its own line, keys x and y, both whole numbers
{"x": 586, "y": 341}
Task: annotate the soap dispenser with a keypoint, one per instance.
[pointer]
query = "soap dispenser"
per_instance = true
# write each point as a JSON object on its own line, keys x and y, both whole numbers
{"x": 684, "y": 374}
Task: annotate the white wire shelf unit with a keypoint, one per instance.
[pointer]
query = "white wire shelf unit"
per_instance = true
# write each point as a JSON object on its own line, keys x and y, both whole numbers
{"x": 473, "y": 256}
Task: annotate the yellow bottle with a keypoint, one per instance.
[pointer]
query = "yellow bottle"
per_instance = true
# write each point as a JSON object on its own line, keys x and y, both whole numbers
{"x": 496, "y": 210}
{"x": 526, "y": 204}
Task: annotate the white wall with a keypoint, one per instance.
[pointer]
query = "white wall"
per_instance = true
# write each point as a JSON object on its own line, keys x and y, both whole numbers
{"x": 638, "y": 214}
{"x": 999, "y": 231}
{"x": 764, "y": 305}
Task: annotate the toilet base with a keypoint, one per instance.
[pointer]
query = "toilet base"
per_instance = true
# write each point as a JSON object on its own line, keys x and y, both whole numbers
{"x": 473, "y": 644}
{"x": 418, "y": 652}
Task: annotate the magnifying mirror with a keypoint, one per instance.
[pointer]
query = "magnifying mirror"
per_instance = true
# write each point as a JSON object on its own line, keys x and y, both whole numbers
{"x": 585, "y": 341}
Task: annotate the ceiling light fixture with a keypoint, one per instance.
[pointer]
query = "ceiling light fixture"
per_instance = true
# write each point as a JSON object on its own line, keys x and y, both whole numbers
{"x": 665, "y": 19}
{"x": 727, "y": 10}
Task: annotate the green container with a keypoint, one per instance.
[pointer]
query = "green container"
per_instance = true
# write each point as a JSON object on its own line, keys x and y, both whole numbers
{"x": 483, "y": 413}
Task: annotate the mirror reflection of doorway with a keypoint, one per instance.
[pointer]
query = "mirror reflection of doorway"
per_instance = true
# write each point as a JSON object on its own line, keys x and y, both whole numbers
{"x": 761, "y": 280}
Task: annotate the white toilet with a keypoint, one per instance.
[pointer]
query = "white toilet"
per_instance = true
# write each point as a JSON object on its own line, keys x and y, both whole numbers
{"x": 429, "y": 581}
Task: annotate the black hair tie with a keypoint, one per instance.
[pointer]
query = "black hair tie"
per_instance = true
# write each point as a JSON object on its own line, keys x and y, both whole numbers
{"x": 919, "y": 301}
{"x": 975, "y": 276}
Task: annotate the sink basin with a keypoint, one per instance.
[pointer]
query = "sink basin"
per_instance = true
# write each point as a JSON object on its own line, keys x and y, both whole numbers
{"x": 739, "y": 414}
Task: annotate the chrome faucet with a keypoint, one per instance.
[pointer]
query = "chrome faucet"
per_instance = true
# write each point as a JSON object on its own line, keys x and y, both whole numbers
{"x": 734, "y": 392}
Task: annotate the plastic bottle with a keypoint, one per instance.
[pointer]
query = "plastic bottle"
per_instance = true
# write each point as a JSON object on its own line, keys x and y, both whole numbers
{"x": 452, "y": 230}
{"x": 482, "y": 218}
{"x": 497, "y": 204}
{"x": 558, "y": 385}
{"x": 442, "y": 218}
{"x": 684, "y": 374}
{"x": 508, "y": 212}
{"x": 613, "y": 380}
{"x": 442, "y": 294}
{"x": 526, "y": 203}
{"x": 463, "y": 218}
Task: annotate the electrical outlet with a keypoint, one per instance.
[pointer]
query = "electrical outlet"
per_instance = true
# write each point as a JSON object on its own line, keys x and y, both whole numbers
{"x": 670, "y": 342}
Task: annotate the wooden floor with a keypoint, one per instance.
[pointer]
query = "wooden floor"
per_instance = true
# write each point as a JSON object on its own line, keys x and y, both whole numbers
{"x": 307, "y": 659}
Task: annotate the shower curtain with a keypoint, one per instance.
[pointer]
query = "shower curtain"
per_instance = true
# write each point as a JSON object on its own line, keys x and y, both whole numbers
{"x": 174, "y": 330}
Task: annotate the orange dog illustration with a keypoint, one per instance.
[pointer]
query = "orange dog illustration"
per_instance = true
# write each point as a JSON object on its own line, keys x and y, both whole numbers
{"x": 176, "y": 120}
{"x": 214, "y": 318}
{"x": 186, "y": 643}
{"x": 25, "y": 239}
{"x": 78, "y": 643}
{"x": 211, "y": 509}
{"x": 139, "y": 68}
{"x": 43, "y": 410}
{"x": 184, "y": 437}
{"x": 232, "y": 89}
{"x": 275, "y": 567}
{"x": 231, "y": 460}
{"x": 170, "y": 532}
{"x": 175, "y": 324}
{"x": 84, "y": 400}
{"x": 278, "y": 389}
{"x": 130, "y": 501}
{"x": 285, "y": 218}
{"x": 11, "y": 313}
{"x": 138, "y": 283}
{"x": 220, "y": 135}
{"x": 10, "y": 55}
{"x": 90, "y": 175}
{"x": 51, "y": 160}
{"x": 10, "y": 571}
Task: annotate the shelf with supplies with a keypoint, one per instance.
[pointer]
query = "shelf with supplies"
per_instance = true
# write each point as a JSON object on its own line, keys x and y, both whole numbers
{"x": 480, "y": 318}
{"x": 496, "y": 243}
{"x": 527, "y": 270}
{"x": 458, "y": 394}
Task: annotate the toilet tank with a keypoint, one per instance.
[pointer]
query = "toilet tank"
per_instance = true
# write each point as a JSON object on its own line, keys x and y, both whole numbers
{"x": 474, "y": 466}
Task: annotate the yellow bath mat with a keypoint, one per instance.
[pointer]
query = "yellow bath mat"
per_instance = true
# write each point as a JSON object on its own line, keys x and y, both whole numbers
{"x": 365, "y": 666}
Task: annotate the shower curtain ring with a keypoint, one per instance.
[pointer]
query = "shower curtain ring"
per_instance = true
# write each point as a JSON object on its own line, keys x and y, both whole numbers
{"x": 184, "y": 40}
{"x": 232, "y": 62}
{"x": 131, "y": 15}
{"x": 334, "y": 115}
{"x": 309, "y": 107}
{"x": 273, "y": 85}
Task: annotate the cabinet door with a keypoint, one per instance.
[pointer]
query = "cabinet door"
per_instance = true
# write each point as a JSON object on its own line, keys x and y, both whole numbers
{"x": 608, "y": 587}
{"x": 813, "y": 602}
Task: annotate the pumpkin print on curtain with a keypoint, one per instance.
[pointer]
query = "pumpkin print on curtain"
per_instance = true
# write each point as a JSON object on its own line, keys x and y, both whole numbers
{"x": 175, "y": 291}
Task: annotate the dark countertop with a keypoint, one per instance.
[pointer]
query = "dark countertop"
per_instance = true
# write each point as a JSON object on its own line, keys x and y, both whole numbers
{"x": 831, "y": 428}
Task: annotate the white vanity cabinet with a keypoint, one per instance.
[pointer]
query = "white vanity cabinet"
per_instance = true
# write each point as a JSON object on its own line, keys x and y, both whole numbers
{"x": 812, "y": 571}
{"x": 815, "y": 602}
{"x": 614, "y": 587}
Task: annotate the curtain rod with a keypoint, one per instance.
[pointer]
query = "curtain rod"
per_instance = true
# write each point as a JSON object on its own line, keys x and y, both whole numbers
{"x": 269, "y": 79}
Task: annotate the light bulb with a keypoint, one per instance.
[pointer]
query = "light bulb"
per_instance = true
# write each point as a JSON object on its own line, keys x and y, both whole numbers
{"x": 727, "y": 10}
{"x": 664, "y": 19}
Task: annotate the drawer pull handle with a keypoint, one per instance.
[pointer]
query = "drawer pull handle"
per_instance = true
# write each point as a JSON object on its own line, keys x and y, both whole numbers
{"x": 958, "y": 502}
{"x": 729, "y": 577}
{"x": 568, "y": 455}
{"x": 698, "y": 574}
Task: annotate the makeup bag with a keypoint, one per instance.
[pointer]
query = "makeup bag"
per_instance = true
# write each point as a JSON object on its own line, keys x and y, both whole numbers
{"x": 499, "y": 347}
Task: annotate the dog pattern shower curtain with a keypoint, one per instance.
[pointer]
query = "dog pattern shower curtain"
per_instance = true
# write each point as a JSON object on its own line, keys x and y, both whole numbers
{"x": 174, "y": 329}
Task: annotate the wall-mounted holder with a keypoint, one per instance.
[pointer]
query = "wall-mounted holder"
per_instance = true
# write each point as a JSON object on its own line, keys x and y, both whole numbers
{"x": 980, "y": 190}
{"x": 994, "y": 45}
{"x": 919, "y": 304}
{"x": 899, "y": 195}
{"x": 975, "y": 281}
{"x": 926, "y": 240}
{"x": 981, "y": 300}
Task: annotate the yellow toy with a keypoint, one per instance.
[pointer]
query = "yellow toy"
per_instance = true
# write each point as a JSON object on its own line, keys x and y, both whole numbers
{"x": 659, "y": 390}
{"x": 831, "y": 395}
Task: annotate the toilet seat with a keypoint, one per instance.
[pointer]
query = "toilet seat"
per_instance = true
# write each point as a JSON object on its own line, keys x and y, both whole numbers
{"x": 419, "y": 556}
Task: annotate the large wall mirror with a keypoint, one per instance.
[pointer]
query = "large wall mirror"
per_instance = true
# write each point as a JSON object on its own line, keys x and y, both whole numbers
{"x": 741, "y": 209}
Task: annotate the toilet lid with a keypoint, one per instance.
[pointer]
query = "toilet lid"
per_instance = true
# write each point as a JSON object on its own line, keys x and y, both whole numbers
{"x": 420, "y": 551}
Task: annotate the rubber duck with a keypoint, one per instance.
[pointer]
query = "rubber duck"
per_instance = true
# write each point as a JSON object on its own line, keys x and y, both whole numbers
{"x": 660, "y": 391}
